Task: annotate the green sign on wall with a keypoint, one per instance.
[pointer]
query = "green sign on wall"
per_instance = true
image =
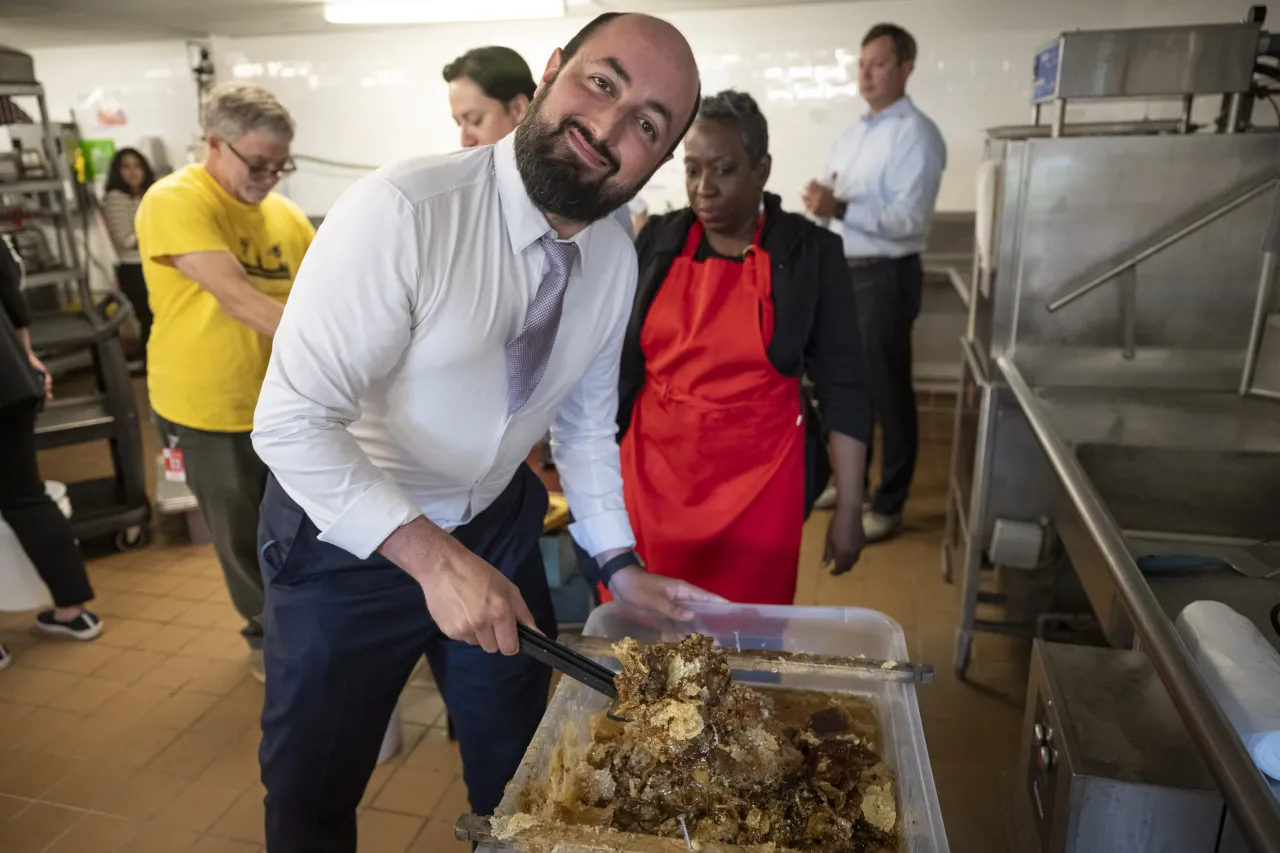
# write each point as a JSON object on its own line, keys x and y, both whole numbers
{"x": 97, "y": 157}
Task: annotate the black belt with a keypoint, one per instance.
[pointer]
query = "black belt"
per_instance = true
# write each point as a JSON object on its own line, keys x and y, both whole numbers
{"x": 871, "y": 261}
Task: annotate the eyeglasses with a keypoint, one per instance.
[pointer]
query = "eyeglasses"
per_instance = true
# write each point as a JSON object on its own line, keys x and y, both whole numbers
{"x": 259, "y": 171}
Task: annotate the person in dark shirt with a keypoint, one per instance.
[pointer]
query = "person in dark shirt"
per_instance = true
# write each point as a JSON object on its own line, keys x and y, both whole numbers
{"x": 41, "y": 528}
{"x": 722, "y": 454}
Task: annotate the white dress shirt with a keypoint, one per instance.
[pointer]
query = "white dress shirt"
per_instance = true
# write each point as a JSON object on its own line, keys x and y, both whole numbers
{"x": 623, "y": 217}
{"x": 386, "y": 395}
{"x": 888, "y": 168}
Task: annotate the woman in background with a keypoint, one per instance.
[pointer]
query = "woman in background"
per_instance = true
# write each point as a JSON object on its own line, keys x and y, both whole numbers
{"x": 129, "y": 177}
{"x": 42, "y": 530}
{"x": 489, "y": 93}
{"x": 722, "y": 456}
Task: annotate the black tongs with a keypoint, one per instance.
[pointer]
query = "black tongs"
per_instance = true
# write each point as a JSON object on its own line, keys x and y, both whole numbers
{"x": 577, "y": 666}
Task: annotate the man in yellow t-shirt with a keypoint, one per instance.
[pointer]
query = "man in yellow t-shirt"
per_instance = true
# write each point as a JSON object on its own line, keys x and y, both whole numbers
{"x": 219, "y": 252}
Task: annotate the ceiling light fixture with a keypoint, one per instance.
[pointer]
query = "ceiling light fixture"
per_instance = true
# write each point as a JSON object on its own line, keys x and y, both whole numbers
{"x": 439, "y": 11}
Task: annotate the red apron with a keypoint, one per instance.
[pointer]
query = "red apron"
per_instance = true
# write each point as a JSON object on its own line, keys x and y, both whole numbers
{"x": 713, "y": 461}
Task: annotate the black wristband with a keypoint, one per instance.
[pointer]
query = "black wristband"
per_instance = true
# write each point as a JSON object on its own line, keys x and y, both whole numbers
{"x": 842, "y": 207}
{"x": 625, "y": 560}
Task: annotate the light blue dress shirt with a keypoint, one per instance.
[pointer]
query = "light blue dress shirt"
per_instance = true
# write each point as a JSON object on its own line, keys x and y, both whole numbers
{"x": 887, "y": 168}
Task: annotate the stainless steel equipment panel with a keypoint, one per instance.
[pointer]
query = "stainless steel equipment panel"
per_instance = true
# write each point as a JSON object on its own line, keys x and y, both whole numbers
{"x": 1148, "y": 62}
{"x": 972, "y": 399}
{"x": 1180, "y": 318}
{"x": 1106, "y": 762}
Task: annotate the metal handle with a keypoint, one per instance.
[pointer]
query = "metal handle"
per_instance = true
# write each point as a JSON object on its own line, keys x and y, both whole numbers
{"x": 1258, "y": 326}
{"x": 1247, "y": 794}
{"x": 1159, "y": 245}
{"x": 975, "y": 366}
{"x": 478, "y": 829}
{"x": 124, "y": 310}
{"x": 798, "y": 663}
{"x": 578, "y": 667}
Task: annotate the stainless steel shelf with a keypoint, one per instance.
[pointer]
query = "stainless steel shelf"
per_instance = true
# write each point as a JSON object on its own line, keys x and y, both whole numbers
{"x": 39, "y": 279}
{"x": 956, "y": 266}
{"x": 73, "y": 414}
{"x": 19, "y": 90}
{"x": 43, "y": 185}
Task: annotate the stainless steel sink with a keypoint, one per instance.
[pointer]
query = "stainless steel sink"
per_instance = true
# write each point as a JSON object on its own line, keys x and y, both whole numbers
{"x": 1217, "y": 506}
{"x": 1188, "y": 492}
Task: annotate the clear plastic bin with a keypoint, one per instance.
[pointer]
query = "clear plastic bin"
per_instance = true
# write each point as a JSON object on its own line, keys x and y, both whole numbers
{"x": 846, "y": 631}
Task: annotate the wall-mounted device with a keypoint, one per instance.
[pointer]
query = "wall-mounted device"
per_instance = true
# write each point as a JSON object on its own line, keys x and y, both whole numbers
{"x": 1183, "y": 62}
{"x": 1151, "y": 62}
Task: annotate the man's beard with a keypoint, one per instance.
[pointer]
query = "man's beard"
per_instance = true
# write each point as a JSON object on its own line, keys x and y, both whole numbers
{"x": 553, "y": 174}
{"x": 252, "y": 194}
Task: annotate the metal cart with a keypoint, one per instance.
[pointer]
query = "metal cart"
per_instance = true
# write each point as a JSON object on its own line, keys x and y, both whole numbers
{"x": 108, "y": 506}
{"x": 35, "y": 184}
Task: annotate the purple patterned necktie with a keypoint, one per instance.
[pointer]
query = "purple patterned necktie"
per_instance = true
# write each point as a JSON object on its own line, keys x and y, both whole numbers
{"x": 527, "y": 355}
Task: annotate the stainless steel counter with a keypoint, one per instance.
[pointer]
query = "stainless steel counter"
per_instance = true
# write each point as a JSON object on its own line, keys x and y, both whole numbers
{"x": 1185, "y": 472}
{"x": 1162, "y": 418}
{"x": 1182, "y": 463}
{"x": 944, "y": 310}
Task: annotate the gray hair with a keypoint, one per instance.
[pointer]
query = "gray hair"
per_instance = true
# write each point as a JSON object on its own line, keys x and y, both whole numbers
{"x": 231, "y": 110}
{"x": 741, "y": 112}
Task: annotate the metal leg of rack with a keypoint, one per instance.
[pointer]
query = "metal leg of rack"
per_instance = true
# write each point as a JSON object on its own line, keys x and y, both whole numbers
{"x": 950, "y": 525}
{"x": 971, "y": 581}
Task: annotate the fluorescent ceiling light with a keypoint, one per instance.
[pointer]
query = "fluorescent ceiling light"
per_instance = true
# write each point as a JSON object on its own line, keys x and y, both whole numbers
{"x": 439, "y": 11}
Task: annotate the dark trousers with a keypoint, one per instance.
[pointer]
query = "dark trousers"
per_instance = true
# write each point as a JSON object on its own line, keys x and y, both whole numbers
{"x": 134, "y": 287}
{"x": 342, "y": 637}
{"x": 41, "y": 528}
{"x": 888, "y": 295}
{"x": 228, "y": 479}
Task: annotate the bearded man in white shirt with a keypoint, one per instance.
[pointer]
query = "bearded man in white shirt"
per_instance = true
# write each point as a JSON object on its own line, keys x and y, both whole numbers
{"x": 450, "y": 310}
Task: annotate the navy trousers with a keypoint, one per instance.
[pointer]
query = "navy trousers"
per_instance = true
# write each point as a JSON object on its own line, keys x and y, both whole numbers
{"x": 342, "y": 638}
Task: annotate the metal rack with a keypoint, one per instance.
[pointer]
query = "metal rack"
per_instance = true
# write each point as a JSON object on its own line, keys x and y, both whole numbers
{"x": 78, "y": 328}
{"x": 50, "y": 195}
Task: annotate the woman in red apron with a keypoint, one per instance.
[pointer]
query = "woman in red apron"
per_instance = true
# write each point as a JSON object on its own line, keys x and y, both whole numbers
{"x": 722, "y": 455}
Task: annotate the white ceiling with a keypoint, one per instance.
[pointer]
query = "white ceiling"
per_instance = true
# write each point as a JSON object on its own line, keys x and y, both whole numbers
{"x": 29, "y": 24}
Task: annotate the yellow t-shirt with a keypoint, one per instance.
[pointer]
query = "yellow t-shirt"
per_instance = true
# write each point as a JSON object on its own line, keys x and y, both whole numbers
{"x": 204, "y": 369}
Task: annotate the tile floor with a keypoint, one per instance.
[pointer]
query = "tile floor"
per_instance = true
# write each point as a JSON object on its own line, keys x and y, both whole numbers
{"x": 145, "y": 740}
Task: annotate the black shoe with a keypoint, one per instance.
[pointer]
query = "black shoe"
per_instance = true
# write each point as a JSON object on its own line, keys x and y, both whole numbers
{"x": 5, "y": 659}
{"x": 86, "y": 626}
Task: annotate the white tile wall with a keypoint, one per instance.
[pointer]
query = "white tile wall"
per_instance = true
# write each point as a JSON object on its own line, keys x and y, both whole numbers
{"x": 151, "y": 82}
{"x": 370, "y": 97}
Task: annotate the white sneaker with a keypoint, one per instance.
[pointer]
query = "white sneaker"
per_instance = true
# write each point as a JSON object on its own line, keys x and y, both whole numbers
{"x": 827, "y": 500}
{"x": 879, "y": 527}
{"x": 86, "y": 626}
{"x": 257, "y": 666}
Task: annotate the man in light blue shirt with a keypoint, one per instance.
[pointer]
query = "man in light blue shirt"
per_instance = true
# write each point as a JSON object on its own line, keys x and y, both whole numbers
{"x": 879, "y": 190}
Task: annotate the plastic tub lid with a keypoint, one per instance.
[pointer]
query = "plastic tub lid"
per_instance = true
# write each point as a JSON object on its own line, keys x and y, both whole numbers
{"x": 818, "y": 630}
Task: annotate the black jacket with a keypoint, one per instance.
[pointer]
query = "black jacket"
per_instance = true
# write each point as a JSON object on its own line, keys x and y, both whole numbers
{"x": 17, "y": 380}
{"x": 815, "y": 323}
